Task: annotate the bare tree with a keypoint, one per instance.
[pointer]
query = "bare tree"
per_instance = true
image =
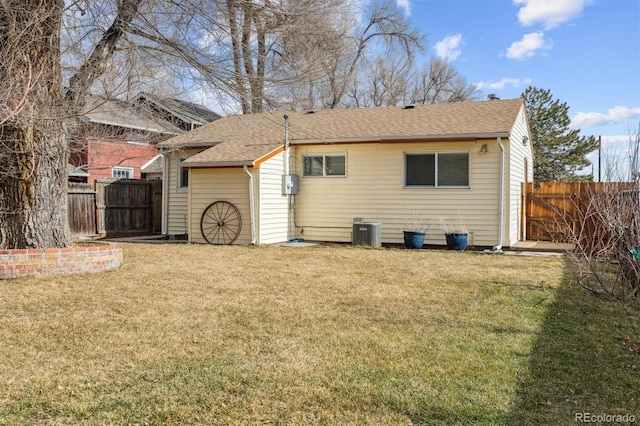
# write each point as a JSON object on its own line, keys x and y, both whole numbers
{"x": 386, "y": 22}
{"x": 393, "y": 80}
{"x": 384, "y": 82}
{"x": 328, "y": 53}
{"x": 32, "y": 145}
{"x": 607, "y": 233}
{"x": 33, "y": 140}
{"x": 441, "y": 82}
{"x": 264, "y": 54}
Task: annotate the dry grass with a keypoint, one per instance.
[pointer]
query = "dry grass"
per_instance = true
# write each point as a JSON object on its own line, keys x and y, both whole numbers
{"x": 236, "y": 335}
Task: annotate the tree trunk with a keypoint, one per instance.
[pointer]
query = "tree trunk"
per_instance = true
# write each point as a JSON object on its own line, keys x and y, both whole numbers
{"x": 33, "y": 187}
{"x": 237, "y": 55}
{"x": 33, "y": 148}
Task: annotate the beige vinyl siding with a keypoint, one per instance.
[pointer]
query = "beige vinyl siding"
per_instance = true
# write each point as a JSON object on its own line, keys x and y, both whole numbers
{"x": 177, "y": 200}
{"x": 373, "y": 189}
{"x": 516, "y": 176}
{"x": 222, "y": 184}
{"x": 273, "y": 206}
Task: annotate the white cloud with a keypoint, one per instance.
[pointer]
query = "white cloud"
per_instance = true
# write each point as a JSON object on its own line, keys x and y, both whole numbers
{"x": 615, "y": 141}
{"x": 526, "y": 48}
{"x": 550, "y": 13}
{"x": 501, "y": 84}
{"x": 404, "y": 5}
{"x": 616, "y": 153}
{"x": 613, "y": 115}
{"x": 449, "y": 47}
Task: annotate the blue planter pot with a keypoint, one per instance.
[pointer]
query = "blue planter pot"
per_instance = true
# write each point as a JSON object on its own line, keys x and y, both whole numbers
{"x": 413, "y": 240}
{"x": 456, "y": 241}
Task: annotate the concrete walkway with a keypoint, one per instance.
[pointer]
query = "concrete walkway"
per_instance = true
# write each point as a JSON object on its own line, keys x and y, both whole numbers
{"x": 148, "y": 239}
{"x": 539, "y": 248}
{"x": 542, "y": 246}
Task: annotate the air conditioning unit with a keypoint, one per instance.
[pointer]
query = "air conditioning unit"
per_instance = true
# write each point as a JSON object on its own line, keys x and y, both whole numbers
{"x": 367, "y": 233}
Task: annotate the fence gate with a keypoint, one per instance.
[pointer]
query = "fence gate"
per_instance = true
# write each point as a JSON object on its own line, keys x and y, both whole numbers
{"x": 82, "y": 209}
{"x": 549, "y": 205}
{"x": 124, "y": 207}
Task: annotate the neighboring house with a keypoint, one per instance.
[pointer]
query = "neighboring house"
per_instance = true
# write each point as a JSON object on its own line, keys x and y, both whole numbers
{"x": 117, "y": 139}
{"x": 182, "y": 114}
{"x": 466, "y": 159}
{"x": 152, "y": 169}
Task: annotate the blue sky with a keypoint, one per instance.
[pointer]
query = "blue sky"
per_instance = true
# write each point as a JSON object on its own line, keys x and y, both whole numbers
{"x": 586, "y": 52}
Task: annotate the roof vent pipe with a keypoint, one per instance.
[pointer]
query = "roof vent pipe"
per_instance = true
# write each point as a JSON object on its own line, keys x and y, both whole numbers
{"x": 493, "y": 97}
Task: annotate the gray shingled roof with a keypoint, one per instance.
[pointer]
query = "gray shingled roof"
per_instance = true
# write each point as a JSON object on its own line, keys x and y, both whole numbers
{"x": 188, "y": 112}
{"x": 114, "y": 112}
{"x": 243, "y": 139}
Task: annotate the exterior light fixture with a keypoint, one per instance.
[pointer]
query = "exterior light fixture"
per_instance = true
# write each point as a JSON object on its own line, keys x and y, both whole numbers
{"x": 484, "y": 148}
{"x": 525, "y": 140}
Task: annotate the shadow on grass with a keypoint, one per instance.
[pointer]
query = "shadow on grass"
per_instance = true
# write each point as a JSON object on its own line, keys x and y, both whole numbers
{"x": 582, "y": 361}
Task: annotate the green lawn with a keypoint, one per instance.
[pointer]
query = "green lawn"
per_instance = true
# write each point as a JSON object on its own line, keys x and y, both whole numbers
{"x": 190, "y": 334}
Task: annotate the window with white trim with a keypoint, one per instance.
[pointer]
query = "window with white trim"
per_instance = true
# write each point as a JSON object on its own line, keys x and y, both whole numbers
{"x": 122, "y": 172}
{"x": 324, "y": 165}
{"x": 437, "y": 170}
{"x": 183, "y": 175}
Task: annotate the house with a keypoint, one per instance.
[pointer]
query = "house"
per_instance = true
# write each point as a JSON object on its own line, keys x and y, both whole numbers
{"x": 117, "y": 139}
{"x": 182, "y": 114}
{"x": 382, "y": 164}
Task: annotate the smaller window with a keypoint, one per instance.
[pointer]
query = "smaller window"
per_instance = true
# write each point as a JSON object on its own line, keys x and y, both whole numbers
{"x": 183, "y": 175}
{"x": 122, "y": 172}
{"x": 324, "y": 165}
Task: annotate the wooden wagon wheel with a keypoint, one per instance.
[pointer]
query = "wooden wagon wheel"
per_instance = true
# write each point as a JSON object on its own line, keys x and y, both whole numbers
{"x": 220, "y": 223}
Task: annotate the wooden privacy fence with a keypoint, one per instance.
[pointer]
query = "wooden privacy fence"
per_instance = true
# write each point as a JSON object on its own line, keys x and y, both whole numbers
{"x": 115, "y": 208}
{"x": 554, "y": 208}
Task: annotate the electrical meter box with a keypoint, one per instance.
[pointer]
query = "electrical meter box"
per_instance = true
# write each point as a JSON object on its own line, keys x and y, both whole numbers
{"x": 289, "y": 184}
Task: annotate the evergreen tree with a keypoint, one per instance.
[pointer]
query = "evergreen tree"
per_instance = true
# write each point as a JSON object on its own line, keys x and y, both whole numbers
{"x": 558, "y": 152}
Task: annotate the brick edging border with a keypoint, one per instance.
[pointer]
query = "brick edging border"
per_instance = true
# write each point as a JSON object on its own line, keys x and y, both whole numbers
{"x": 87, "y": 258}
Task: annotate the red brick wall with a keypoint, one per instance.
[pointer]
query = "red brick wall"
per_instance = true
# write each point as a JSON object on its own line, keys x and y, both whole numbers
{"x": 95, "y": 257}
{"x": 103, "y": 155}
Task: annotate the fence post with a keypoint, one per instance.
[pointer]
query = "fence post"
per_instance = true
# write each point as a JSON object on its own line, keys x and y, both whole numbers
{"x": 523, "y": 211}
{"x": 101, "y": 208}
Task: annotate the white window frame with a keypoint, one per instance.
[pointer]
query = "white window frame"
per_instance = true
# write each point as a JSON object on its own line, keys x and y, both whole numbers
{"x": 179, "y": 183}
{"x": 127, "y": 170}
{"x": 324, "y": 167}
{"x": 435, "y": 185}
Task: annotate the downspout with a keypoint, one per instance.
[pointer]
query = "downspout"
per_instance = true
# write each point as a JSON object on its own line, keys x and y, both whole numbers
{"x": 498, "y": 247}
{"x": 165, "y": 194}
{"x": 252, "y": 217}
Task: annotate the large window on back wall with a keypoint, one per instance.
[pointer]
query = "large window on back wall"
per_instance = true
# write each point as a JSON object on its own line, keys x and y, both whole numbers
{"x": 437, "y": 170}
